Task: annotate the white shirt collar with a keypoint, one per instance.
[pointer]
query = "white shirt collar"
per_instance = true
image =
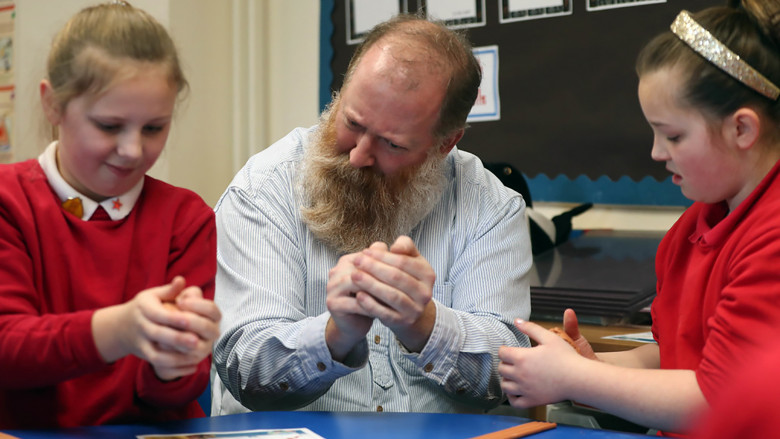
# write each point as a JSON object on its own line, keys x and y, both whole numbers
{"x": 117, "y": 207}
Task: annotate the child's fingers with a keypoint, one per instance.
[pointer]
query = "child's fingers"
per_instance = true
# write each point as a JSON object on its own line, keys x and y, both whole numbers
{"x": 205, "y": 328}
{"x": 506, "y": 355}
{"x": 534, "y": 331}
{"x": 191, "y": 292}
{"x": 169, "y": 364}
{"x": 179, "y": 341}
{"x": 168, "y": 292}
{"x": 172, "y": 373}
{"x": 570, "y": 324}
{"x": 202, "y": 307}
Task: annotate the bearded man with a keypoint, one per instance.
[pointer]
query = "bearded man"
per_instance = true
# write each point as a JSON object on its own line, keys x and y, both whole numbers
{"x": 366, "y": 263}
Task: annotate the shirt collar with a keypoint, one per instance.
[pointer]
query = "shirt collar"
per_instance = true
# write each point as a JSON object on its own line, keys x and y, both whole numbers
{"x": 117, "y": 207}
{"x": 715, "y": 223}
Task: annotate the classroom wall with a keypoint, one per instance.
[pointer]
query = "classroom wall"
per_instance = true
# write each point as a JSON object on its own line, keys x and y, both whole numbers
{"x": 253, "y": 68}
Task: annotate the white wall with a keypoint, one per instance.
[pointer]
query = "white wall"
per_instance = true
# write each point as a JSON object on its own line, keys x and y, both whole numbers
{"x": 36, "y": 23}
{"x": 253, "y": 67}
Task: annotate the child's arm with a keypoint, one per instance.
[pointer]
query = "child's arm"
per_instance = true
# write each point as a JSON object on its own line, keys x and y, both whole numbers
{"x": 553, "y": 371}
{"x": 193, "y": 256}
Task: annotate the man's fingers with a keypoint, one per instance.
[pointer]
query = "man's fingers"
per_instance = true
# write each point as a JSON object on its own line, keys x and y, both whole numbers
{"x": 405, "y": 246}
{"x": 378, "y": 246}
{"x": 398, "y": 270}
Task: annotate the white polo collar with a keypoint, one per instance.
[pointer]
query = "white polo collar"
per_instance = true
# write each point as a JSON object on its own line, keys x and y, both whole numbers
{"x": 117, "y": 207}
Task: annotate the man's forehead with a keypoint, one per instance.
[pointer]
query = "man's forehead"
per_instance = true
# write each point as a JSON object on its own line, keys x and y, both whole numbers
{"x": 405, "y": 65}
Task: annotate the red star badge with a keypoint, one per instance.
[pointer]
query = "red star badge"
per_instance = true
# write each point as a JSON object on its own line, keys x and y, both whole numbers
{"x": 117, "y": 204}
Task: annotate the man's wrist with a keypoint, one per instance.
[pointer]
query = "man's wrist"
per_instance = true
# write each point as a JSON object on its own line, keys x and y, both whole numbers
{"x": 338, "y": 343}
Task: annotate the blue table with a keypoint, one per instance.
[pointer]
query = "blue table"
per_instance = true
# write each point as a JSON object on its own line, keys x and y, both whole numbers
{"x": 335, "y": 426}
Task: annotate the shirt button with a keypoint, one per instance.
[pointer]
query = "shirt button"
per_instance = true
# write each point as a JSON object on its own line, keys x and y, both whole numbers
{"x": 428, "y": 367}
{"x": 379, "y": 408}
{"x": 321, "y": 366}
{"x": 377, "y": 339}
{"x": 284, "y": 386}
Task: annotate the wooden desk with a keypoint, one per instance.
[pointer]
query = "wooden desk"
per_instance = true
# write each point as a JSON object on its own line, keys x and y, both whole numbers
{"x": 594, "y": 334}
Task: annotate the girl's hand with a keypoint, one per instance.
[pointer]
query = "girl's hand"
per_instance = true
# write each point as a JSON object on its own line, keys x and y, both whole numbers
{"x": 538, "y": 375}
{"x": 172, "y": 339}
{"x": 572, "y": 329}
{"x": 205, "y": 317}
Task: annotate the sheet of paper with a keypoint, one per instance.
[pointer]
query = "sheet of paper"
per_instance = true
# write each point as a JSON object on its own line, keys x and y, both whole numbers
{"x": 612, "y": 4}
{"x": 451, "y": 9}
{"x": 639, "y": 337}
{"x": 488, "y": 103}
{"x": 284, "y": 433}
{"x": 516, "y": 5}
{"x": 522, "y": 10}
{"x": 369, "y": 13}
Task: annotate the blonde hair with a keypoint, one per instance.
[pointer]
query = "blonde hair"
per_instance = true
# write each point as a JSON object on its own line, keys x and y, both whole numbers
{"x": 91, "y": 51}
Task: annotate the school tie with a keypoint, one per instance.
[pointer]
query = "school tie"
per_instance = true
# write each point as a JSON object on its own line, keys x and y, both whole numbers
{"x": 100, "y": 215}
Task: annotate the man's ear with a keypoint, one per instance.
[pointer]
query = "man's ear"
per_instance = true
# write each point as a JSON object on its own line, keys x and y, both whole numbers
{"x": 450, "y": 141}
{"x": 744, "y": 127}
{"x": 51, "y": 108}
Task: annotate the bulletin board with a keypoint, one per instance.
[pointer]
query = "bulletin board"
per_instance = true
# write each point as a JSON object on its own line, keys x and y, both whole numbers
{"x": 7, "y": 17}
{"x": 569, "y": 115}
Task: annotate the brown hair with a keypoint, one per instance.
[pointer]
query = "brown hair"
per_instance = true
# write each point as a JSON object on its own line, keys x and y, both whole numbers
{"x": 751, "y": 29}
{"x": 445, "y": 46}
{"x": 88, "y": 54}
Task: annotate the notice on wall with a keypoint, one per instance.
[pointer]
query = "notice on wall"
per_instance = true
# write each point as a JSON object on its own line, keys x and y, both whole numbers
{"x": 363, "y": 15}
{"x": 519, "y": 10}
{"x": 7, "y": 14}
{"x": 488, "y": 104}
{"x": 597, "y": 5}
{"x": 456, "y": 14}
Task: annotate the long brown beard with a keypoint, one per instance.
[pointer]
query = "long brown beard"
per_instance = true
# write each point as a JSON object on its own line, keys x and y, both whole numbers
{"x": 348, "y": 208}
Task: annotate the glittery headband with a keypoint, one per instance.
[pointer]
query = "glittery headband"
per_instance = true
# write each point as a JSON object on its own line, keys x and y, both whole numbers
{"x": 705, "y": 44}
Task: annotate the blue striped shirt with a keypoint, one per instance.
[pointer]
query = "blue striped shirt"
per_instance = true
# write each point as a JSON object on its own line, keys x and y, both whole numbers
{"x": 271, "y": 288}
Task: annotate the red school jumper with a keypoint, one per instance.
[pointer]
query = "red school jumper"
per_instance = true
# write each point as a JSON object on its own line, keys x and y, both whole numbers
{"x": 718, "y": 291}
{"x": 56, "y": 270}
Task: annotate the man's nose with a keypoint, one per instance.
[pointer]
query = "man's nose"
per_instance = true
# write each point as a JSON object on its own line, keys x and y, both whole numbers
{"x": 362, "y": 156}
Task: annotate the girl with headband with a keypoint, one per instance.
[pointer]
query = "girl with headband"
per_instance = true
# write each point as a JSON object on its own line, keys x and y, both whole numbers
{"x": 709, "y": 89}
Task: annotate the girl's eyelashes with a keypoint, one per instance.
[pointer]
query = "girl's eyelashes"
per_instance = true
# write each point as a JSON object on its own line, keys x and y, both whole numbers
{"x": 115, "y": 127}
{"x": 107, "y": 127}
{"x": 153, "y": 129}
